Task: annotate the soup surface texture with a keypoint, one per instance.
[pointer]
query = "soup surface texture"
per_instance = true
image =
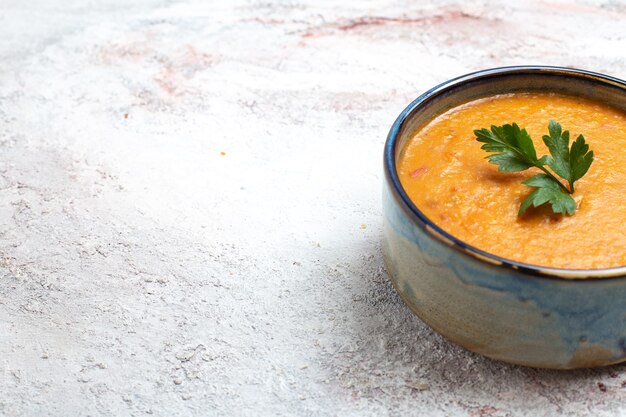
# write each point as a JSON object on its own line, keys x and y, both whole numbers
{"x": 446, "y": 175}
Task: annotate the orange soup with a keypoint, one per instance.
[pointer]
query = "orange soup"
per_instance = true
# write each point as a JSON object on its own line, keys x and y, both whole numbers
{"x": 445, "y": 173}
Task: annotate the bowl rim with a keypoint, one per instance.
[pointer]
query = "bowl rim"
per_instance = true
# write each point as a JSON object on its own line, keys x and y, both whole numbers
{"x": 415, "y": 214}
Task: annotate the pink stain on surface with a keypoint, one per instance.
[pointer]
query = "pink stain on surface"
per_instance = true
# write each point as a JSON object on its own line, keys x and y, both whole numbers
{"x": 167, "y": 80}
{"x": 135, "y": 49}
{"x": 377, "y": 21}
{"x": 193, "y": 60}
{"x": 171, "y": 66}
{"x": 181, "y": 66}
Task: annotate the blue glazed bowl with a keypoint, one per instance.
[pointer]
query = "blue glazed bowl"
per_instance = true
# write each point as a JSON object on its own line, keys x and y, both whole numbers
{"x": 506, "y": 310}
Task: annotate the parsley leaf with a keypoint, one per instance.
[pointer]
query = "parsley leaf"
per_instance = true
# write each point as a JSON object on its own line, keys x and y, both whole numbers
{"x": 569, "y": 164}
{"x": 513, "y": 146}
{"x": 548, "y": 191}
{"x": 513, "y": 150}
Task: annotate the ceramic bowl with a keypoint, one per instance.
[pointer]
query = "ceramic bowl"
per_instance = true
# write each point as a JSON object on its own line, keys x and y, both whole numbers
{"x": 510, "y": 311}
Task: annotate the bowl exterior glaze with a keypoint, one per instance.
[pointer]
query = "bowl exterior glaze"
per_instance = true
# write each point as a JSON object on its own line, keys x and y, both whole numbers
{"x": 517, "y": 313}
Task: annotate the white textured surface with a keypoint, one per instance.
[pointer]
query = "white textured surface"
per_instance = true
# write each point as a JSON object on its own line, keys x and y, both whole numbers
{"x": 142, "y": 271}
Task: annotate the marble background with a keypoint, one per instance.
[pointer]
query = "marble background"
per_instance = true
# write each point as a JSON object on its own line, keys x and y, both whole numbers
{"x": 190, "y": 215}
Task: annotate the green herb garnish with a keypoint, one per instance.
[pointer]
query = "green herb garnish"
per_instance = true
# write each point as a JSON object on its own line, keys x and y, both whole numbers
{"x": 513, "y": 151}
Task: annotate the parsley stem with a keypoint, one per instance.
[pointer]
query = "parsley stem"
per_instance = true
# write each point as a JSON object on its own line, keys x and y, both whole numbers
{"x": 548, "y": 173}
